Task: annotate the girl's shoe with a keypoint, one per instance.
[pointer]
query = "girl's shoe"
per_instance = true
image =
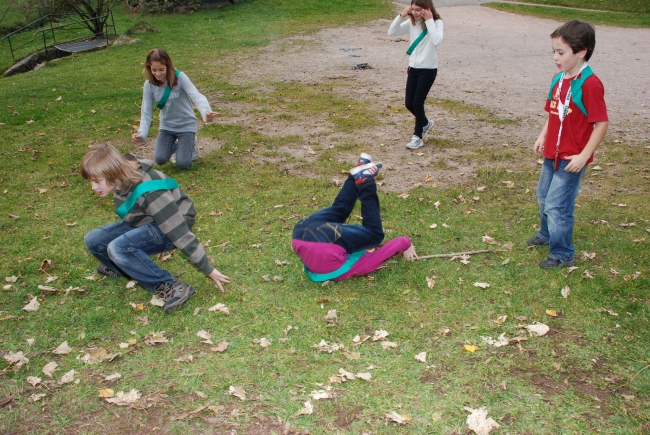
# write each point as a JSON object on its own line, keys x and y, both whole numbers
{"x": 415, "y": 143}
{"x": 364, "y": 159}
{"x": 364, "y": 172}
{"x": 427, "y": 128}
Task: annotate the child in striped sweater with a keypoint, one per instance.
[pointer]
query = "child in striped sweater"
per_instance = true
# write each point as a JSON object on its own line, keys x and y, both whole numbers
{"x": 157, "y": 216}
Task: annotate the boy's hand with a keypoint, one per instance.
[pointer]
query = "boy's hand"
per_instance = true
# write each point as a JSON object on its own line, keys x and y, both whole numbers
{"x": 539, "y": 146}
{"x": 136, "y": 137}
{"x": 427, "y": 14}
{"x": 218, "y": 278}
{"x": 576, "y": 163}
{"x": 410, "y": 253}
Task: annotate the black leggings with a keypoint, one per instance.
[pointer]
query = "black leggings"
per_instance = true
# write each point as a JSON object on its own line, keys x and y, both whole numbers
{"x": 418, "y": 84}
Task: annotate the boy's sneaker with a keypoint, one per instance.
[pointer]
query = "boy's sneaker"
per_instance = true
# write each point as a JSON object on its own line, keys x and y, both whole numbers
{"x": 364, "y": 172}
{"x": 174, "y": 294}
{"x": 107, "y": 271}
{"x": 415, "y": 143}
{"x": 195, "y": 152}
{"x": 536, "y": 241}
{"x": 364, "y": 159}
{"x": 550, "y": 263}
{"x": 427, "y": 128}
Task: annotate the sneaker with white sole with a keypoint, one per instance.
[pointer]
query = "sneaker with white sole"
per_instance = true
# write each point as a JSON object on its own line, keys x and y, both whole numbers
{"x": 364, "y": 172}
{"x": 364, "y": 159}
{"x": 415, "y": 143}
{"x": 195, "y": 152}
{"x": 427, "y": 128}
{"x": 174, "y": 294}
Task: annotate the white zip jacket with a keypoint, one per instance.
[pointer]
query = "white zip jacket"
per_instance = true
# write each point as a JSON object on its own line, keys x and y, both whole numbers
{"x": 424, "y": 55}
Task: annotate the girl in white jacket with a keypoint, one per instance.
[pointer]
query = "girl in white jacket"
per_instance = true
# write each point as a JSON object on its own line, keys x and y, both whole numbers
{"x": 424, "y": 26}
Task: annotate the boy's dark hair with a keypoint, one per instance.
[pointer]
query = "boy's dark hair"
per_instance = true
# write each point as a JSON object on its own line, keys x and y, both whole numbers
{"x": 579, "y": 35}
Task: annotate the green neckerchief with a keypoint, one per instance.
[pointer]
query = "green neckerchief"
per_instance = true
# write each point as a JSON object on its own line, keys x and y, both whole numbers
{"x": 576, "y": 88}
{"x": 141, "y": 189}
{"x": 321, "y": 277}
{"x": 417, "y": 41}
{"x": 165, "y": 95}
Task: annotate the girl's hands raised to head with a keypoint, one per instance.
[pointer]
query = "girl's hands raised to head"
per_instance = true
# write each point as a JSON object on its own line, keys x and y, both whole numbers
{"x": 218, "y": 278}
{"x": 427, "y": 14}
{"x": 406, "y": 12}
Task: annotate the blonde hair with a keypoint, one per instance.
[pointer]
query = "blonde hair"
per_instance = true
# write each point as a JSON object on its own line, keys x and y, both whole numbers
{"x": 104, "y": 161}
{"x": 161, "y": 56}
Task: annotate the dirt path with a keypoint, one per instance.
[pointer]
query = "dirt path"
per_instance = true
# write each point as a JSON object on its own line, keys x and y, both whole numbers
{"x": 496, "y": 60}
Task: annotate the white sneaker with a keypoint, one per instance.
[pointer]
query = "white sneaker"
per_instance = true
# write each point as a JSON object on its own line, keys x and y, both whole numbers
{"x": 415, "y": 143}
{"x": 427, "y": 128}
{"x": 195, "y": 152}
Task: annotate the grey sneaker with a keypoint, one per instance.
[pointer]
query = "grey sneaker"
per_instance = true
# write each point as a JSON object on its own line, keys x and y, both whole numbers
{"x": 554, "y": 262}
{"x": 174, "y": 294}
{"x": 415, "y": 143}
{"x": 107, "y": 271}
{"x": 427, "y": 128}
{"x": 536, "y": 241}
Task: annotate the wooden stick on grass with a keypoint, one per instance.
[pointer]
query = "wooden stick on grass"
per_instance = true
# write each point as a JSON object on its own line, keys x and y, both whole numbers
{"x": 455, "y": 254}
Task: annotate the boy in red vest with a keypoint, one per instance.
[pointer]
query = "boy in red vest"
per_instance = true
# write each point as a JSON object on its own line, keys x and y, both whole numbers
{"x": 576, "y": 124}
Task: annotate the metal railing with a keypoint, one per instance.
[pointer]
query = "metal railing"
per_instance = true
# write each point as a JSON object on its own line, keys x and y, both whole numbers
{"x": 45, "y": 28}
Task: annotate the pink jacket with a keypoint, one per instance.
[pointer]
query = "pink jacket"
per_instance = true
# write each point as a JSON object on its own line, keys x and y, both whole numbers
{"x": 327, "y": 257}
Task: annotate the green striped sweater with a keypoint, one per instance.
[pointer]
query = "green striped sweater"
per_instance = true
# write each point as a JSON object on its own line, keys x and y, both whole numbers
{"x": 172, "y": 210}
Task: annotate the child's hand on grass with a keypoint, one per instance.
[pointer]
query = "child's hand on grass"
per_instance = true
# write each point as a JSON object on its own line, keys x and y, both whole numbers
{"x": 410, "y": 253}
{"x": 218, "y": 278}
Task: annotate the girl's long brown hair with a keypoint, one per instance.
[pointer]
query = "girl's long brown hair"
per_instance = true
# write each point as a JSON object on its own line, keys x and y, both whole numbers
{"x": 424, "y": 4}
{"x": 160, "y": 55}
{"x": 104, "y": 161}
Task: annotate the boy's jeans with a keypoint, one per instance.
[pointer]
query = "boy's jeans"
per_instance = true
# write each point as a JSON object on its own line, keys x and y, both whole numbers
{"x": 556, "y": 196}
{"x": 166, "y": 145}
{"x": 327, "y": 225}
{"x": 418, "y": 84}
{"x": 126, "y": 250}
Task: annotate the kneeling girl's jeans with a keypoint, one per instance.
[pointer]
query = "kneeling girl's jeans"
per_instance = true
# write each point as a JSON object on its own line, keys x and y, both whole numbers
{"x": 556, "y": 196}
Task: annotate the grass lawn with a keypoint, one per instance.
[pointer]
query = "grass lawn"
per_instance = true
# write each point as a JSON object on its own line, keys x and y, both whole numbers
{"x": 589, "y": 374}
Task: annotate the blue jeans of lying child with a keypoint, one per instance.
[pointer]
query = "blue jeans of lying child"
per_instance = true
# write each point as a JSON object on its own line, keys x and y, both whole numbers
{"x": 126, "y": 250}
{"x": 328, "y": 225}
{"x": 556, "y": 196}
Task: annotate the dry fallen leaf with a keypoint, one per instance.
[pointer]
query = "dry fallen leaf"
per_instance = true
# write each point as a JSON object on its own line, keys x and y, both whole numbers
{"x": 478, "y": 422}
{"x": 489, "y": 240}
{"x": 471, "y": 348}
{"x": 131, "y": 284}
{"x": 17, "y": 358}
{"x": 388, "y": 345}
{"x": 33, "y": 380}
{"x": 364, "y": 376}
{"x": 50, "y": 368}
{"x": 396, "y": 418}
{"x": 537, "y": 329}
{"x": 96, "y": 355}
{"x": 67, "y": 378}
{"x": 32, "y": 305}
{"x": 219, "y": 307}
{"x": 307, "y": 409}
{"x": 157, "y": 301}
{"x": 62, "y": 349}
{"x": 11, "y": 278}
{"x": 566, "y": 291}
{"x": 324, "y": 346}
{"x": 481, "y": 284}
{"x": 153, "y": 338}
{"x": 124, "y": 399}
{"x": 380, "y": 334}
{"x": 422, "y": 357}
{"x": 431, "y": 282}
{"x": 264, "y": 342}
{"x": 36, "y": 397}
{"x": 551, "y": 313}
{"x": 237, "y": 391}
{"x": 106, "y": 392}
{"x": 113, "y": 377}
{"x": 220, "y": 347}
{"x": 325, "y": 393}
